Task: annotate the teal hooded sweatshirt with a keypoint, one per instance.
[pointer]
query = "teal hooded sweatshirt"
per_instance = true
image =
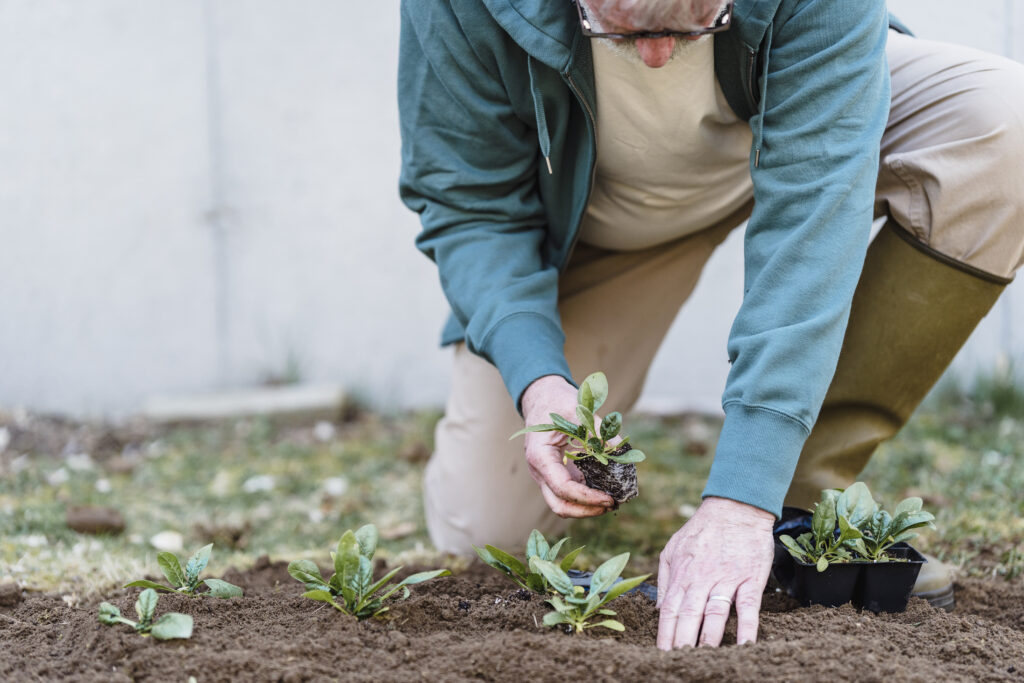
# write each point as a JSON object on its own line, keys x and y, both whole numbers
{"x": 498, "y": 117}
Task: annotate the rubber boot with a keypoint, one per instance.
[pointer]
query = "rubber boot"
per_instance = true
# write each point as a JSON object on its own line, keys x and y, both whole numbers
{"x": 912, "y": 311}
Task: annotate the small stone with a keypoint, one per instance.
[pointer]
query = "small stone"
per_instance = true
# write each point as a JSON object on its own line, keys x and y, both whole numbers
{"x": 170, "y": 541}
{"x": 10, "y": 594}
{"x": 103, "y": 486}
{"x": 316, "y": 516}
{"x": 262, "y": 562}
{"x": 58, "y": 477}
{"x": 464, "y": 605}
{"x": 89, "y": 519}
{"x": 335, "y": 487}
{"x": 323, "y": 431}
{"x": 258, "y": 484}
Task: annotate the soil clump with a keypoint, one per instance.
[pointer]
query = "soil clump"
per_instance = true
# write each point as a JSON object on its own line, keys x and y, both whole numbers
{"x": 476, "y": 625}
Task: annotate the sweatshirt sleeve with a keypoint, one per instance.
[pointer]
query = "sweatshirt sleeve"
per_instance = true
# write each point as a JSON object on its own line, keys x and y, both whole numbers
{"x": 469, "y": 169}
{"x": 825, "y": 102}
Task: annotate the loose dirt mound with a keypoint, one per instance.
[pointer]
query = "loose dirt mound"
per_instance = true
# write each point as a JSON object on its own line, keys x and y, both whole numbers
{"x": 476, "y": 626}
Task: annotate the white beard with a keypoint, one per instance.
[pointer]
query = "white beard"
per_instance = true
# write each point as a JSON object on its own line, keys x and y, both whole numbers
{"x": 626, "y": 49}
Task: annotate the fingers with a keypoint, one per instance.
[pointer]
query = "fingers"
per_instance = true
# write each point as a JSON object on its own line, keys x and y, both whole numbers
{"x": 748, "y": 605}
{"x": 716, "y": 613}
{"x": 564, "y": 508}
{"x": 668, "y": 617}
{"x": 545, "y": 462}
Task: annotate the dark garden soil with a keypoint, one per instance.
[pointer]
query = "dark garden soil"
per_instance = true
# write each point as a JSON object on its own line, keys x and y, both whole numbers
{"x": 476, "y": 626}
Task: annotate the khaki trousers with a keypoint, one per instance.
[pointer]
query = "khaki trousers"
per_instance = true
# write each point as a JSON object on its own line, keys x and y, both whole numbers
{"x": 950, "y": 174}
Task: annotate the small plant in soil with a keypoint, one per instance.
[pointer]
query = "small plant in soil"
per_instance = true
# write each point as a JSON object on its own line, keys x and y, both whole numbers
{"x": 865, "y": 530}
{"x": 527, "y": 575}
{"x": 575, "y": 606}
{"x": 170, "y": 625}
{"x": 606, "y": 466}
{"x": 186, "y": 580}
{"x": 351, "y": 588}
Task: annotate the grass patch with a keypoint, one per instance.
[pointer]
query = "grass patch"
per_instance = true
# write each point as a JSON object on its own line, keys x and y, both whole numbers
{"x": 253, "y": 489}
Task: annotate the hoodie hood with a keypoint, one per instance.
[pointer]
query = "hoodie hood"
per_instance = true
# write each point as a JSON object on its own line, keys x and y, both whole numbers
{"x": 545, "y": 29}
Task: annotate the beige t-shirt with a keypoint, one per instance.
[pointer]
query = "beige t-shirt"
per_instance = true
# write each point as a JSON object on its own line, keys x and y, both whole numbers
{"x": 672, "y": 157}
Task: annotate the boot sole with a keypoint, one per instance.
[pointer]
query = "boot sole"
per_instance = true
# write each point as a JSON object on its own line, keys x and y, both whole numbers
{"x": 940, "y": 598}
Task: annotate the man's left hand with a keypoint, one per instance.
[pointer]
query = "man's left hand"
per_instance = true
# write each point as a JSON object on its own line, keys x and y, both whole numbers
{"x": 722, "y": 556}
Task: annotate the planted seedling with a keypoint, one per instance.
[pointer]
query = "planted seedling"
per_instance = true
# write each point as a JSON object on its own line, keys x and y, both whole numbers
{"x": 527, "y": 575}
{"x": 187, "y": 580}
{"x": 351, "y": 588}
{"x": 606, "y": 466}
{"x": 575, "y": 606}
{"x": 821, "y": 545}
{"x": 170, "y": 625}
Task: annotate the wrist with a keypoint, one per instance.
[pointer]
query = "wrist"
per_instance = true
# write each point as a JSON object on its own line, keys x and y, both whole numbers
{"x": 738, "y": 510}
{"x": 539, "y": 394}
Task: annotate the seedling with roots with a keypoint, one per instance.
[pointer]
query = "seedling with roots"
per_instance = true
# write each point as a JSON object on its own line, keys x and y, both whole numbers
{"x": 351, "y": 588}
{"x": 187, "y": 580}
{"x": 527, "y": 575}
{"x": 170, "y": 625}
{"x": 585, "y": 439}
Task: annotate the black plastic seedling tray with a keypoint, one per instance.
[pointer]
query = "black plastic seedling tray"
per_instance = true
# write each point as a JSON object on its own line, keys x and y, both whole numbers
{"x": 876, "y": 586}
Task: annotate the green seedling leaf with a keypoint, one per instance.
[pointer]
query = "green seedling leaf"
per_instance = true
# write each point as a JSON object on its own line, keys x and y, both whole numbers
{"x": 383, "y": 581}
{"x": 908, "y": 505}
{"x": 110, "y": 615}
{"x": 536, "y": 428}
{"x": 552, "y": 554}
{"x": 632, "y": 455}
{"x": 823, "y": 521}
{"x": 856, "y": 504}
{"x": 423, "y": 576}
{"x": 622, "y": 587}
{"x": 364, "y": 578}
{"x": 172, "y": 625}
{"x": 555, "y": 618}
{"x": 146, "y": 605}
{"x": 822, "y": 564}
{"x": 595, "y": 446}
{"x": 197, "y": 563}
{"x": 601, "y": 458}
{"x": 142, "y": 583}
{"x": 586, "y": 418}
{"x": 567, "y": 561}
{"x": 598, "y": 384}
{"x": 535, "y": 582}
{"x": 847, "y": 532}
{"x": 585, "y": 397}
{"x": 508, "y": 560}
{"x": 605, "y": 575}
{"x": 794, "y": 549}
{"x": 319, "y": 596}
{"x": 346, "y": 559}
{"x": 306, "y": 571}
{"x": 171, "y": 568}
{"x": 611, "y": 425}
{"x": 367, "y": 537}
{"x": 222, "y": 589}
{"x": 536, "y": 545}
{"x": 556, "y": 578}
{"x": 609, "y": 623}
{"x": 563, "y": 425}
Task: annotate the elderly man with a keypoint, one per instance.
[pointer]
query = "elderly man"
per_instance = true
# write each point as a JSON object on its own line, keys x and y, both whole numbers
{"x": 575, "y": 163}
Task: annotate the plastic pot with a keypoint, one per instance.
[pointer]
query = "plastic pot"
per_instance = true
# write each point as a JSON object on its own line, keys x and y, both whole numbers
{"x": 887, "y": 586}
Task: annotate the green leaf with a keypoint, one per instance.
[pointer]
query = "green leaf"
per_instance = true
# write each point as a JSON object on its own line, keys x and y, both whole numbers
{"x": 595, "y": 446}
{"x": 585, "y": 397}
{"x": 601, "y": 458}
{"x": 146, "y": 605}
{"x": 904, "y": 536}
{"x": 172, "y": 625}
{"x": 558, "y": 604}
{"x": 171, "y": 568}
{"x": 319, "y": 596}
{"x": 110, "y": 615}
{"x": 586, "y": 418}
{"x": 794, "y": 549}
{"x": 847, "y": 532}
{"x": 563, "y": 425}
{"x": 346, "y": 559}
{"x": 823, "y": 521}
{"x": 558, "y": 579}
{"x": 382, "y": 581}
{"x": 566, "y": 563}
{"x": 306, "y": 571}
{"x": 909, "y": 505}
{"x": 535, "y": 428}
{"x": 142, "y": 583}
{"x": 552, "y": 553}
{"x": 598, "y": 384}
{"x": 605, "y": 575}
{"x": 554, "y": 619}
{"x": 367, "y": 537}
{"x": 423, "y": 576}
{"x": 536, "y": 545}
{"x": 222, "y": 589}
{"x": 609, "y": 623}
{"x": 624, "y": 586}
{"x": 364, "y": 577}
{"x": 508, "y": 560}
{"x": 611, "y": 425}
{"x": 197, "y": 563}
{"x": 822, "y": 563}
{"x": 856, "y": 504}
{"x": 862, "y": 550}
{"x": 535, "y": 583}
{"x": 632, "y": 455}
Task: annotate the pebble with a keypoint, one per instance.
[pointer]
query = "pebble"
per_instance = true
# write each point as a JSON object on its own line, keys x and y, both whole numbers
{"x": 89, "y": 519}
{"x": 170, "y": 541}
{"x": 258, "y": 484}
{"x": 10, "y": 594}
{"x": 335, "y": 487}
{"x": 323, "y": 431}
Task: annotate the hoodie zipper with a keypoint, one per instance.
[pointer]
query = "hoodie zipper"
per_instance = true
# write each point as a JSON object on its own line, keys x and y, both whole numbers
{"x": 593, "y": 166}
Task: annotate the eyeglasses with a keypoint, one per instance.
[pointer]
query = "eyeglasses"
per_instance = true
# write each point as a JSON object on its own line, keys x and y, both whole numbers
{"x": 722, "y": 23}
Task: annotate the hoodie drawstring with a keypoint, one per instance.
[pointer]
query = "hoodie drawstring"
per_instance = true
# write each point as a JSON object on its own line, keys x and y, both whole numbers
{"x": 759, "y": 134}
{"x": 543, "y": 136}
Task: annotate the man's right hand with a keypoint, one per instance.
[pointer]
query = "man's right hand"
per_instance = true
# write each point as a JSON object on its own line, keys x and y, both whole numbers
{"x": 561, "y": 485}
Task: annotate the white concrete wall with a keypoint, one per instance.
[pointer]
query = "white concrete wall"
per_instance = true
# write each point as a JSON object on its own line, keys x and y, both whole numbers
{"x": 196, "y": 195}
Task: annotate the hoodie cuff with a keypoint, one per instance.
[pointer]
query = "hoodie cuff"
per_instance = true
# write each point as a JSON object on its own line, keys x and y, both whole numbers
{"x": 756, "y": 456}
{"x": 526, "y": 347}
